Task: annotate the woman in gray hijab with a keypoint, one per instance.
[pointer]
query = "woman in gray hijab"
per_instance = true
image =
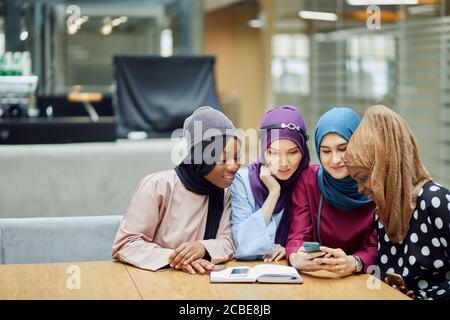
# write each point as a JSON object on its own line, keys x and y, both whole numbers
{"x": 180, "y": 218}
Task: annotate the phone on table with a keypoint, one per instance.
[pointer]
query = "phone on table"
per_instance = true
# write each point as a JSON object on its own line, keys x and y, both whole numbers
{"x": 395, "y": 280}
{"x": 239, "y": 272}
{"x": 311, "y": 247}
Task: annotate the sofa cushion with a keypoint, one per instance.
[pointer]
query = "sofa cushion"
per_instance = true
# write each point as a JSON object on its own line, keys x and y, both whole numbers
{"x": 59, "y": 239}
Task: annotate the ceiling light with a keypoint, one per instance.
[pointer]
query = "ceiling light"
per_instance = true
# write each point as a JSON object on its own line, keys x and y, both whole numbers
{"x": 429, "y": 8}
{"x": 314, "y": 15}
{"x": 380, "y": 2}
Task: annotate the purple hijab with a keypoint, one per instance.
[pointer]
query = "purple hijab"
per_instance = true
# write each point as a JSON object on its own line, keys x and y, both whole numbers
{"x": 287, "y": 115}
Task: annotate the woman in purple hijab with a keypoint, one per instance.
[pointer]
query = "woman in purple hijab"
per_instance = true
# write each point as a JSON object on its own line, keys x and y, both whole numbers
{"x": 261, "y": 193}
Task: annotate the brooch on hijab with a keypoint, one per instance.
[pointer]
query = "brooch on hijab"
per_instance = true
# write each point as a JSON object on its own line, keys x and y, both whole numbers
{"x": 290, "y": 126}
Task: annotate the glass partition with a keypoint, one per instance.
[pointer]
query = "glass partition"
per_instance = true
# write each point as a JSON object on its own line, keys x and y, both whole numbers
{"x": 363, "y": 53}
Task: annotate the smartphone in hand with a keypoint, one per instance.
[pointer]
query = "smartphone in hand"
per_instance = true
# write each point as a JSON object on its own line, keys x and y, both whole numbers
{"x": 396, "y": 281}
{"x": 311, "y": 247}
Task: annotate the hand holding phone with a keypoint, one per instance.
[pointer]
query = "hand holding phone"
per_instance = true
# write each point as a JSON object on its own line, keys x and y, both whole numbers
{"x": 396, "y": 281}
{"x": 304, "y": 258}
{"x": 311, "y": 247}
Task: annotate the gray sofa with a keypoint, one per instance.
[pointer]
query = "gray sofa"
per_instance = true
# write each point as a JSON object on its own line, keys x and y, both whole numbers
{"x": 76, "y": 179}
{"x": 61, "y": 239}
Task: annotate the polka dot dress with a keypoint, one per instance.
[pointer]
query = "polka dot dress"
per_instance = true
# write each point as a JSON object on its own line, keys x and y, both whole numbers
{"x": 423, "y": 256}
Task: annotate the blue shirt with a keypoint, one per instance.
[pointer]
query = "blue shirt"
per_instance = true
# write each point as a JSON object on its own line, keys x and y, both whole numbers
{"x": 252, "y": 236}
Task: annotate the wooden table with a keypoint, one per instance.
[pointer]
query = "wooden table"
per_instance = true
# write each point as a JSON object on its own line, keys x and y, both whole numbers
{"x": 98, "y": 280}
{"x": 322, "y": 285}
{"x": 113, "y": 280}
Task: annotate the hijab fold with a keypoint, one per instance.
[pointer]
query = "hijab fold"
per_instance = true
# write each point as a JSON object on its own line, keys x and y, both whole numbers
{"x": 193, "y": 178}
{"x": 385, "y": 145}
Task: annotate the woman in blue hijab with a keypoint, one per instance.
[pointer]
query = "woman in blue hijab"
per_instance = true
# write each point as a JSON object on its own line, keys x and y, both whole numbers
{"x": 335, "y": 128}
{"x": 327, "y": 207}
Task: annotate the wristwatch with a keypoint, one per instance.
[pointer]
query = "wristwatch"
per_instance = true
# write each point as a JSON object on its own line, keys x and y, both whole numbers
{"x": 358, "y": 264}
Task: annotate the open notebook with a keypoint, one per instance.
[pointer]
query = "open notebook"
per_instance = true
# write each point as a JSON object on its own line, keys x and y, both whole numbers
{"x": 268, "y": 273}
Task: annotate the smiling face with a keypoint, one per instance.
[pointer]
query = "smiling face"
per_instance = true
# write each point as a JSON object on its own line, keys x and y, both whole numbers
{"x": 226, "y": 168}
{"x": 283, "y": 158}
{"x": 363, "y": 178}
{"x": 332, "y": 150}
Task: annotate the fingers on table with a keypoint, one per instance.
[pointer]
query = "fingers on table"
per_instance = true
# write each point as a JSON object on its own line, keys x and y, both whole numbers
{"x": 178, "y": 260}
{"x": 191, "y": 256}
{"x": 177, "y": 251}
{"x": 189, "y": 269}
{"x": 280, "y": 255}
{"x": 198, "y": 267}
{"x": 206, "y": 264}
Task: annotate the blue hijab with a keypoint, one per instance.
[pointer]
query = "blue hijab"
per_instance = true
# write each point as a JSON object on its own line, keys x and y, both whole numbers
{"x": 343, "y": 193}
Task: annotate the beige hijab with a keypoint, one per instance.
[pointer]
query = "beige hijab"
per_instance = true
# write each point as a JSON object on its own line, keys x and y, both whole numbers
{"x": 385, "y": 145}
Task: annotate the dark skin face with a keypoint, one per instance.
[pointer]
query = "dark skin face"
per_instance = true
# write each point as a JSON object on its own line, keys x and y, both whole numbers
{"x": 223, "y": 173}
{"x": 189, "y": 255}
{"x": 362, "y": 177}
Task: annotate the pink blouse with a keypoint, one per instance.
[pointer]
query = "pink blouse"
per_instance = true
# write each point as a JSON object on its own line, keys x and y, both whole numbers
{"x": 162, "y": 215}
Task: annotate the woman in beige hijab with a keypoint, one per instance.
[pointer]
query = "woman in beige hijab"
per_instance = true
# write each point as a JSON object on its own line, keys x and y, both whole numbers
{"x": 413, "y": 211}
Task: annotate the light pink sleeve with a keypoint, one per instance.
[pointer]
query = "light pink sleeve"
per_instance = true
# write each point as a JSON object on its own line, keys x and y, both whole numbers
{"x": 222, "y": 248}
{"x": 133, "y": 243}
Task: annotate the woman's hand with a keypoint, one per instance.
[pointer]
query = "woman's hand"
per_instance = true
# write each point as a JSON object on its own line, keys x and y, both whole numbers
{"x": 402, "y": 288}
{"x": 336, "y": 260}
{"x": 305, "y": 261}
{"x": 201, "y": 266}
{"x": 269, "y": 181}
{"x": 279, "y": 252}
{"x": 186, "y": 253}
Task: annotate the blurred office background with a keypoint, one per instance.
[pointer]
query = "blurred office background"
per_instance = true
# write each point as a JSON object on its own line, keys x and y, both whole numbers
{"x": 314, "y": 54}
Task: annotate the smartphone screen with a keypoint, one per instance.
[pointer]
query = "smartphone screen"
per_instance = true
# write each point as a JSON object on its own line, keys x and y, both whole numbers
{"x": 239, "y": 272}
{"x": 311, "y": 247}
